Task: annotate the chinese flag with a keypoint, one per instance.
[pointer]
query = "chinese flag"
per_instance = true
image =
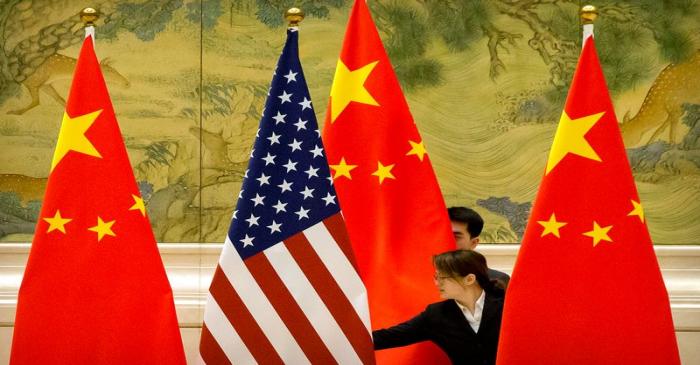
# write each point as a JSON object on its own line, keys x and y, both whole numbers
{"x": 94, "y": 290}
{"x": 586, "y": 287}
{"x": 393, "y": 208}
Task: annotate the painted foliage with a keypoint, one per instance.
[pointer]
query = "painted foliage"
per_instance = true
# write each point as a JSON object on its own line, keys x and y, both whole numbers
{"x": 485, "y": 79}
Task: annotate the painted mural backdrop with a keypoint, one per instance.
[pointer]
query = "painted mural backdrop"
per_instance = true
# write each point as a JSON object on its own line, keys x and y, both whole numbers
{"x": 485, "y": 79}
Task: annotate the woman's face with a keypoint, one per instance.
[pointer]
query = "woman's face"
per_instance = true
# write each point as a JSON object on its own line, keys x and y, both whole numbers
{"x": 450, "y": 287}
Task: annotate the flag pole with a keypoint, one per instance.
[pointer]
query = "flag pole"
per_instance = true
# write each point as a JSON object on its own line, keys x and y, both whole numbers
{"x": 294, "y": 16}
{"x": 588, "y": 15}
{"x": 89, "y": 16}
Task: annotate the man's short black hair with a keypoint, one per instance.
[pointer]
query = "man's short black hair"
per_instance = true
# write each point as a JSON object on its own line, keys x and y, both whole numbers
{"x": 469, "y": 217}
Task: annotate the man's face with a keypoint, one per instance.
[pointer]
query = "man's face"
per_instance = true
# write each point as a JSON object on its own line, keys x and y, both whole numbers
{"x": 462, "y": 237}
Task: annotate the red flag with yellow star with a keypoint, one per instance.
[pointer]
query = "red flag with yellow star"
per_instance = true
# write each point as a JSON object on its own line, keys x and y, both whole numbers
{"x": 586, "y": 287}
{"x": 94, "y": 290}
{"x": 391, "y": 201}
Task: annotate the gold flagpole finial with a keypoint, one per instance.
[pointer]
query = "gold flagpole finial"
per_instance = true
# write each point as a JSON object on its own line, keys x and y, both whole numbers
{"x": 89, "y": 16}
{"x": 588, "y": 14}
{"x": 294, "y": 16}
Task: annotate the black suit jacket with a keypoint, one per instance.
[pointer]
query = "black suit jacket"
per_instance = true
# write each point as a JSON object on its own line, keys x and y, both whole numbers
{"x": 500, "y": 276}
{"x": 444, "y": 324}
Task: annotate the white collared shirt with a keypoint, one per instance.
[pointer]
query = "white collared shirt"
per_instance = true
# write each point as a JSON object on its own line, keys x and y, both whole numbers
{"x": 474, "y": 319}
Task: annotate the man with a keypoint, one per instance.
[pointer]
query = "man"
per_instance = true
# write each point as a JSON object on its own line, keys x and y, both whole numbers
{"x": 466, "y": 227}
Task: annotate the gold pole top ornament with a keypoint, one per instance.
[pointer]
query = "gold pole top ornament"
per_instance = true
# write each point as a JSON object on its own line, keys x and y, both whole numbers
{"x": 294, "y": 16}
{"x": 89, "y": 16}
{"x": 588, "y": 14}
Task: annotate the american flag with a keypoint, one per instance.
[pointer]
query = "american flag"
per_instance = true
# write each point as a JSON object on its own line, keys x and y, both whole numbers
{"x": 286, "y": 289}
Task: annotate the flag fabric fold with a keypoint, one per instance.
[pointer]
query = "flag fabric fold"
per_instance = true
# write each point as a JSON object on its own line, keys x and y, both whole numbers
{"x": 586, "y": 287}
{"x": 286, "y": 288}
{"x": 94, "y": 290}
{"x": 391, "y": 201}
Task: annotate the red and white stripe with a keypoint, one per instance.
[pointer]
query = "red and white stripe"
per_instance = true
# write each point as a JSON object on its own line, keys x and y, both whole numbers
{"x": 298, "y": 302}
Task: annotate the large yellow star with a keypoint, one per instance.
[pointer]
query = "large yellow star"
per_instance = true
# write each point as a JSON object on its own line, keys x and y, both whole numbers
{"x": 342, "y": 169}
{"x": 103, "y": 229}
{"x": 57, "y": 222}
{"x": 72, "y": 137}
{"x": 638, "y": 210}
{"x": 599, "y": 233}
{"x": 349, "y": 86}
{"x": 551, "y": 226}
{"x": 384, "y": 172}
{"x": 570, "y": 138}
{"x": 138, "y": 205}
{"x": 417, "y": 149}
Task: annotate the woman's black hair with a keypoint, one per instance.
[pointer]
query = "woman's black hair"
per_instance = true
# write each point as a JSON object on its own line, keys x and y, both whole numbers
{"x": 460, "y": 263}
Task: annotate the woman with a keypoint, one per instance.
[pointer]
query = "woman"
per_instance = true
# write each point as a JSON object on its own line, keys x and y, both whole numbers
{"x": 467, "y": 323}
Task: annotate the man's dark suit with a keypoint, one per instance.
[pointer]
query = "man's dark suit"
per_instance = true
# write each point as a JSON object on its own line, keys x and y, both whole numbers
{"x": 500, "y": 276}
{"x": 444, "y": 324}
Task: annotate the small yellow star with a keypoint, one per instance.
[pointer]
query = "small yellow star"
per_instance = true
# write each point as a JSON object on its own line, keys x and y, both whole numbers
{"x": 551, "y": 226}
{"x": 417, "y": 149}
{"x": 103, "y": 229}
{"x": 570, "y": 139}
{"x": 138, "y": 205}
{"x": 384, "y": 172}
{"x": 342, "y": 169}
{"x": 638, "y": 210}
{"x": 599, "y": 233}
{"x": 349, "y": 86}
{"x": 72, "y": 137}
{"x": 57, "y": 222}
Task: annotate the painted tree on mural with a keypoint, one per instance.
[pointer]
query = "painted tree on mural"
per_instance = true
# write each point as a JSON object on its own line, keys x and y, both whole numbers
{"x": 408, "y": 28}
{"x": 22, "y": 57}
{"x": 625, "y": 28}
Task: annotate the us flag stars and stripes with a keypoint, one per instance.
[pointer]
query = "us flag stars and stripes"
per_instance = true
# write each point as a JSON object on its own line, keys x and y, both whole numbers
{"x": 286, "y": 289}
